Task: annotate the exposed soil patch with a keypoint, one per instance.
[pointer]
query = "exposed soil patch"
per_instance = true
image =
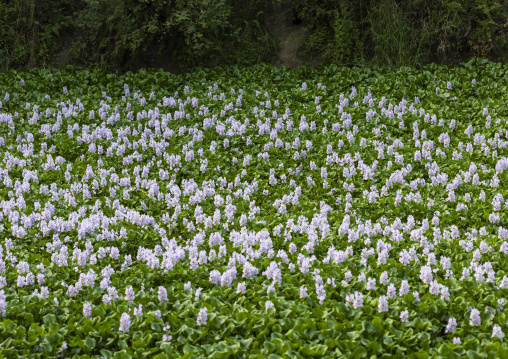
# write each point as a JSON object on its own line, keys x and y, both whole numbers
{"x": 290, "y": 34}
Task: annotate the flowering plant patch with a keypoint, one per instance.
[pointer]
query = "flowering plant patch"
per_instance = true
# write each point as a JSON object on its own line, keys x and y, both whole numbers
{"x": 254, "y": 212}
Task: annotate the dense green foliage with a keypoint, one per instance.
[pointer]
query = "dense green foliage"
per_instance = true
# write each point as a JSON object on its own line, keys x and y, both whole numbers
{"x": 406, "y": 33}
{"x": 128, "y": 34}
{"x": 179, "y": 35}
{"x": 254, "y": 212}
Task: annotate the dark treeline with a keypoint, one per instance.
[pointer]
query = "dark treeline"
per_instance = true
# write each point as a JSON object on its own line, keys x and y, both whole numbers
{"x": 178, "y": 35}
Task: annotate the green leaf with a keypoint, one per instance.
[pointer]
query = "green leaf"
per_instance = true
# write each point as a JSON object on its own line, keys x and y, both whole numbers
{"x": 122, "y": 355}
{"x": 89, "y": 343}
{"x": 49, "y": 318}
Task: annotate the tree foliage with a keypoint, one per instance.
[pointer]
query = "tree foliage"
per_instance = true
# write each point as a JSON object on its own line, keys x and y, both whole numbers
{"x": 124, "y": 35}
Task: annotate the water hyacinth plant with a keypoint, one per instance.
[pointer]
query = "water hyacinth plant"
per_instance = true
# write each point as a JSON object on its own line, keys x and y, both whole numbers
{"x": 249, "y": 212}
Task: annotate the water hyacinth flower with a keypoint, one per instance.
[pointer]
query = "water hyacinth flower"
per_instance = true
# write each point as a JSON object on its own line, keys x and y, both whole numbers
{"x": 475, "y": 319}
{"x": 497, "y": 332}
{"x": 426, "y": 274}
{"x": 355, "y": 299}
{"x": 391, "y": 291}
{"x": 162, "y": 294}
{"x": 383, "y": 304}
{"x": 241, "y": 287}
{"x": 125, "y": 323}
{"x": 500, "y": 304}
{"x": 202, "y": 317}
{"x": 320, "y": 292}
{"x": 129, "y": 294}
{"x": 303, "y": 292}
{"x": 87, "y": 310}
{"x": 404, "y": 288}
{"x": 166, "y": 337}
{"x": 371, "y": 284}
{"x": 197, "y": 294}
{"x": 504, "y": 283}
{"x": 452, "y": 324}
{"x": 383, "y": 278}
{"x": 138, "y": 311}
{"x": 456, "y": 340}
{"x": 404, "y": 316}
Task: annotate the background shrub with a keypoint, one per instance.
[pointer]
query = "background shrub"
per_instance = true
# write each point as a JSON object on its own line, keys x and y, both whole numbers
{"x": 179, "y": 35}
